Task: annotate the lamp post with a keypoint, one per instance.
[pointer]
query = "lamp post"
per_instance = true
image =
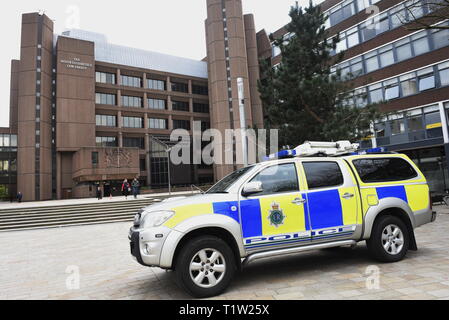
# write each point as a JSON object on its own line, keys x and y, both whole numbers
{"x": 241, "y": 92}
{"x": 168, "y": 150}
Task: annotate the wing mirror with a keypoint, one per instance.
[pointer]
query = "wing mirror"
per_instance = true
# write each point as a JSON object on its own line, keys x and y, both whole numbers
{"x": 252, "y": 188}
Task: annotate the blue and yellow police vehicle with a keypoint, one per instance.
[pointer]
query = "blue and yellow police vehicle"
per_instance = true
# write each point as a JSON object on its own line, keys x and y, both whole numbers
{"x": 317, "y": 196}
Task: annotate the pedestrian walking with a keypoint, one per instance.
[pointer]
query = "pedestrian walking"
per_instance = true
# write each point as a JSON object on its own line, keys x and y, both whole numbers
{"x": 136, "y": 185}
{"x": 19, "y": 197}
{"x": 126, "y": 188}
{"x": 99, "y": 193}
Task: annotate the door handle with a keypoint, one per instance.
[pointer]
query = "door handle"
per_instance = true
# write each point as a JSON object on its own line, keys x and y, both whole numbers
{"x": 299, "y": 201}
{"x": 348, "y": 196}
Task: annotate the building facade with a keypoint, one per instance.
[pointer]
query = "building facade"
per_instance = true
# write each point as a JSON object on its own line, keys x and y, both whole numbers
{"x": 85, "y": 112}
{"x": 405, "y": 71}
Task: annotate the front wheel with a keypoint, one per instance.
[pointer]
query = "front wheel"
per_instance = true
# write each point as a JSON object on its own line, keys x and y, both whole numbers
{"x": 389, "y": 240}
{"x": 205, "y": 266}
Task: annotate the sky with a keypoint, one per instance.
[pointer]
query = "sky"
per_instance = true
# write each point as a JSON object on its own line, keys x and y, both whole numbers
{"x": 173, "y": 27}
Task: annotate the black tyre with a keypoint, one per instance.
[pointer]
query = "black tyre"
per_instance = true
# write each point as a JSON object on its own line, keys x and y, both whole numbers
{"x": 389, "y": 240}
{"x": 205, "y": 266}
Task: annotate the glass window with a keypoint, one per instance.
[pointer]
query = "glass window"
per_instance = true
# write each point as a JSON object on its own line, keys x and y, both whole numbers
{"x": 392, "y": 91}
{"x": 432, "y": 120}
{"x": 106, "y": 120}
{"x": 106, "y": 142}
{"x": 134, "y": 142}
{"x": 415, "y": 123}
{"x": 357, "y": 67}
{"x": 426, "y": 82}
{"x": 223, "y": 185}
{"x": 383, "y": 23}
{"x": 368, "y": 30}
{"x": 398, "y": 16}
{"x": 201, "y": 107}
{"x": 397, "y": 126}
{"x": 103, "y": 77}
{"x": 440, "y": 38}
{"x": 341, "y": 45}
{"x": 444, "y": 77}
{"x": 132, "y": 122}
{"x": 375, "y": 93}
{"x": 371, "y": 61}
{"x": 409, "y": 84}
{"x": 180, "y": 106}
{"x": 353, "y": 37}
{"x": 420, "y": 44}
{"x": 158, "y": 124}
{"x": 133, "y": 102}
{"x": 129, "y": 81}
{"x": 181, "y": 124}
{"x": 403, "y": 49}
{"x": 384, "y": 170}
{"x": 201, "y": 90}
{"x": 156, "y": 104}
{"x": 156, "y": 84}
{"x": 94, "y": 158}
{"x": 179, "y": 87}
{"x": 278, "y": 179}
{"x": 276, "y": 51}
{"x": 386, "y": 56}
{"x": 104, "y": 98}
{"x": 416, "y": 9}
{"x": 323, "y": 174}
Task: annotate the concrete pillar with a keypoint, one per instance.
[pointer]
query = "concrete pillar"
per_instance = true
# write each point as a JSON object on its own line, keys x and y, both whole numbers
{"x": 120, "y": 140}
{"x": 168, "y": 84}
{"x": 119, "y": 78}
{"x": 58, "y": 176}
{"x": 145, "y": 100}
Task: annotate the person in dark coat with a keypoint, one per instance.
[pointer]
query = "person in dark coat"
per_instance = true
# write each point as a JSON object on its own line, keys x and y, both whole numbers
{"x": 136, "y": 186}
{"x": 126, "y": 188}
{"x": 19, "y": 197}
{"x": 99, "y": 193}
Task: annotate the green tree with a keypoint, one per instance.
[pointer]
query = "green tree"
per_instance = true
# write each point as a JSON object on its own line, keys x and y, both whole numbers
{"x": 302, "y": 97}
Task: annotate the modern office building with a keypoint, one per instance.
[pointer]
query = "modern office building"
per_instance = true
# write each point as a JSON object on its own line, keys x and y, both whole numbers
{"x": 406, "y": 71}
{"x": 85, "y": 112}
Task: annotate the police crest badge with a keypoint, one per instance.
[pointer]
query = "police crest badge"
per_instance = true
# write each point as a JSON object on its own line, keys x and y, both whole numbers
{"x": 276, "y": 216}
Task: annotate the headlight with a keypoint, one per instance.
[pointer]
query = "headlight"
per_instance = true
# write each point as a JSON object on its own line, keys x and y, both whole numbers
{"x": 156, "y": 219}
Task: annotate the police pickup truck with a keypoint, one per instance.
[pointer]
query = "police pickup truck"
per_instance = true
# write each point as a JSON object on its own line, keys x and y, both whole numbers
{"x": 317, "y": 196}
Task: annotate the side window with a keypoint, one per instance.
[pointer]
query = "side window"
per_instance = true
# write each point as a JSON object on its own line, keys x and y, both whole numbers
{"x": 323, "y": 174}
{"x": 384, "y": 170}
{"x": 277, "y": 179}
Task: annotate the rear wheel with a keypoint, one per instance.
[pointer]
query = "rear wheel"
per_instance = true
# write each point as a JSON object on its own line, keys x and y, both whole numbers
{"x": 389, "y": 240}
{"x": 205, "y": 266}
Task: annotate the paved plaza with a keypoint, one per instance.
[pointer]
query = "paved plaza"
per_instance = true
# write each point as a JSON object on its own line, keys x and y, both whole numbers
{"x": 44, "y": 264}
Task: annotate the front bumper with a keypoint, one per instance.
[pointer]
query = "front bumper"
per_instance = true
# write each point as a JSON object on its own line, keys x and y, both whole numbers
{"x": 146, "y": 245}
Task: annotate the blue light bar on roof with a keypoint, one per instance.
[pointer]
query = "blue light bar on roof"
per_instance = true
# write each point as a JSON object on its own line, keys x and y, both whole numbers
{"x": 281, "y": 155}
{"x": 373, "y": 150}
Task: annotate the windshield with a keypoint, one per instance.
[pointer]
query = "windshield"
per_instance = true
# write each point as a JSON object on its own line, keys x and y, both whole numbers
{"x": 223, "y": 185}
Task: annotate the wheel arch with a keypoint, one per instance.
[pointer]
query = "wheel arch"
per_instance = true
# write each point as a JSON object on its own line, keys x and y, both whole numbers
{"x": 218, "y": 232}
{"x": 220, "y": 226}
{"x": 402, "y": 212}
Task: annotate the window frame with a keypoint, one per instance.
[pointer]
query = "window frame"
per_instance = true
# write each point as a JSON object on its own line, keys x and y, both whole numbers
{"x": 325, "y": 187}
{"x": 256, "y": 174}
{"x": 353, "y": 162}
